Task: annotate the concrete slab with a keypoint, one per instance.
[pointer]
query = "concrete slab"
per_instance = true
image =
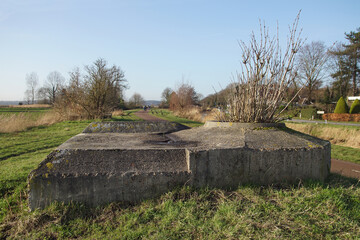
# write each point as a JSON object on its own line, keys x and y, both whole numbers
{"x": 132, "y": 161}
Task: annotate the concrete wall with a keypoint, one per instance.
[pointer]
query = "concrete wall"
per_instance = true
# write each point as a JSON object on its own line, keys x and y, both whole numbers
{"x": 101, "y": 189}
{"x": 227, "y": 168}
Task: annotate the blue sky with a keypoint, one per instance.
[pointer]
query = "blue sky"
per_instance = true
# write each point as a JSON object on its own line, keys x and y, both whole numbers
{"x": 157, "y": 43}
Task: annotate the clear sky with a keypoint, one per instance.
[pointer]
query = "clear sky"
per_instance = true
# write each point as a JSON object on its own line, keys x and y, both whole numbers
{"x": 156, "y": 43}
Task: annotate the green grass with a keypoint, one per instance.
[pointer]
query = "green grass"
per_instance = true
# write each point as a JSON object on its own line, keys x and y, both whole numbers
{"x": 345, "y": 153}
{"x": 167, "y": 115}
{"x": 22, "y": 151}
{"x": 308, "y": 210}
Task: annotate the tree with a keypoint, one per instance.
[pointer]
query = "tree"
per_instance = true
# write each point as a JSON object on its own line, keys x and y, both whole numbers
{"x": 311, "y": 66}
{"x": 136, "y": 100}
{"x": 32, "y": 81}
{"x": 53, "y": 85}
{"x": 93, "y": 94}
{"x": 348, "y": 56}
{"x": 103, "y": 86}
{"x": 341, "y": 106}
{"x": 185, "y": 96}
{"x": 165, "y": 97}
{"x": 355, "y": 107}
{"x": 42, "y": 95}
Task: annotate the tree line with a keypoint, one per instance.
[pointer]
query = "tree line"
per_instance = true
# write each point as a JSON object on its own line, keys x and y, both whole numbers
{"x": 91, "y": 93}
{"x": 322, "y": 74}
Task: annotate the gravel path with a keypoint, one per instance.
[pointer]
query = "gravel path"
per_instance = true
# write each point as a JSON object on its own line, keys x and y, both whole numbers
{"x": 147, "y": 117}
{"x": 347, "y": 169}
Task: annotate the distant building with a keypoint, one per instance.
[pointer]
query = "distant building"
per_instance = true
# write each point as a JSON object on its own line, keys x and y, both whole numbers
{"x": 354, "y": 98}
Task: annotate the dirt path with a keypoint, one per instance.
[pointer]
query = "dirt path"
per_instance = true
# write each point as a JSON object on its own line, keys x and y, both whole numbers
{"x": 147, "y": 117}
{"x": 347, "y": 169}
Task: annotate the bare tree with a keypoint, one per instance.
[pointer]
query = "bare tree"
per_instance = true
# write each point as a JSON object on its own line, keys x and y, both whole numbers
{"x": 53, "y": 85}
{"x": 266, "y": 75}
{"x": 42, "y": 95}
{"x": 186, "y": 96}
{"x": 136, "y": 100}
{"x": 103, "y": 86}
{"x": 32, "y": 81}
{"x": 312, "y": 66}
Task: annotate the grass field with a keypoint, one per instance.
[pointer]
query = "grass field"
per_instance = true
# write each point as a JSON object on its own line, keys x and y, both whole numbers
{"x": 308, "y": 210}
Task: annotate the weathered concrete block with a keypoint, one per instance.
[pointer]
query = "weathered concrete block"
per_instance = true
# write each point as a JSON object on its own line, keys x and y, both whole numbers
{"x": 112, "y": 164}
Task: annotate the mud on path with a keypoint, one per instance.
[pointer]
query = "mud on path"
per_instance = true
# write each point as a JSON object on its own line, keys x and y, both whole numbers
{"x": 147, "y": 117}
{"x": 347, "y": 169}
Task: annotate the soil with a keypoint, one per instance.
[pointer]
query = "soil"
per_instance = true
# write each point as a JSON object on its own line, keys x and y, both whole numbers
{"x": 347, "y": 169}
{"x": 147, "y": 117}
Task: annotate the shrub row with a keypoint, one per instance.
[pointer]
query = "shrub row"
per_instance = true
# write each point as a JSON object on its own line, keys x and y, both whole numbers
{"x": 342, "y": 107}
{"x": 341, "y": 117}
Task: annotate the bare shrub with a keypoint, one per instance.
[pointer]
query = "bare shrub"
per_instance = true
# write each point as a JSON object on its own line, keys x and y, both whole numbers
{"x": 265, "y": 76}
{"x": 196, "y": 113}
{"x": 183, "y": 98}
{"x": 117, "y": 113}
{"x": 94, "y": 94}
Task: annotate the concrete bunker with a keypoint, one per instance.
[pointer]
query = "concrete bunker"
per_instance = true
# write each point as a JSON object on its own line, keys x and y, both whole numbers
{"x": 132, "y": 161}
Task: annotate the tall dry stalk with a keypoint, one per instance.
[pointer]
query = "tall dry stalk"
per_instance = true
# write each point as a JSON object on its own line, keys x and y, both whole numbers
{"x": 265, "y": 76}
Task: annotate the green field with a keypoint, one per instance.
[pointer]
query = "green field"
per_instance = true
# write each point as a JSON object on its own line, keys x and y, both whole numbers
{"x": 308, "y": 210}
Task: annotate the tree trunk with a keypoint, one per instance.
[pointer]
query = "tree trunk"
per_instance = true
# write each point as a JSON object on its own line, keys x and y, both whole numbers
{"x": 354, "y": 77}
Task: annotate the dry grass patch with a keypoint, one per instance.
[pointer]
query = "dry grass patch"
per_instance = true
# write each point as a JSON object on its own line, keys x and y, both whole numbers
{"x": 22, "y": 121}
{"x": 197, "y": 114}
{"x": 117, "y": 113}
{"x": 343, "y": 136}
